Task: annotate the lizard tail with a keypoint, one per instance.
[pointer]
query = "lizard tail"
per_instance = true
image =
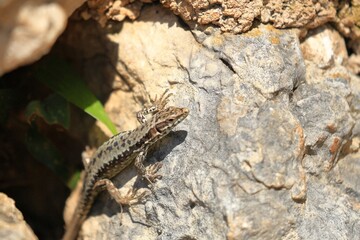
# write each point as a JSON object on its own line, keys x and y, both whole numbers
{"x": 73, "y": 228}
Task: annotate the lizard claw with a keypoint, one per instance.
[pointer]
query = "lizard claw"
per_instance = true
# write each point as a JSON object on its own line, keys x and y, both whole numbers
{"x": 133, "y": 195}
{"x": 151, "y": 173}
{"x": 164, "y": 99}
{"x": 156, "y": 106}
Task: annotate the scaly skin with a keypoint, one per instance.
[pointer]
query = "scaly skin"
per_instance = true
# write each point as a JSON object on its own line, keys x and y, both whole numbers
{"x": 120, "y": 151}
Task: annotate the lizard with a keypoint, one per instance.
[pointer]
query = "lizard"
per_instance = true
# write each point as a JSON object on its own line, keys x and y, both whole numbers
{"x": 124, "y": 148}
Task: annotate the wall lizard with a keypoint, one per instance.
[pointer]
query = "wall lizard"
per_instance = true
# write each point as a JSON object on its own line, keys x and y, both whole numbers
{"x": 120, "y": 151}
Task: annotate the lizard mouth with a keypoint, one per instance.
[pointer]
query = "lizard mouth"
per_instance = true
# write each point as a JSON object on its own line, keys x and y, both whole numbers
{"x": 154, "y": 132}
{"x": 159, "y": 127}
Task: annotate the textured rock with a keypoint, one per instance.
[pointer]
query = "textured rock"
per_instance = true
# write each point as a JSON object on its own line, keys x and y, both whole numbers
{"x": 234, "y": 16}
{"x": 348, "y": 18}
{"x": 12, "y": 224}
{"x": 298, "y": 13}
{"x": 239, "y": 15}
{"x": 263, "y": 152}
{"x": 324, "y": 46}
{"x": 103, "y": 11}
{"x": 28, "y": 30}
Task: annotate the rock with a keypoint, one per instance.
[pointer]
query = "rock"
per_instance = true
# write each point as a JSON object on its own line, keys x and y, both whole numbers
{"x": 12, "y": 224}
{"x": 348, "y": 19}
{"x": 324, "y": 46}
{"x": 258, "y": 156}
{"x": 28, "y": 30}
{"x": 240, "y": 16}
{"x": 106, "y": 10}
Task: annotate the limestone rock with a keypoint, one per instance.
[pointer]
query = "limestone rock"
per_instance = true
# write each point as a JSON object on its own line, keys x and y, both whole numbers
{"x": 262, "y": 154}
{"x": 238, "y": 16}
{"x": 12, "y": 224}
{"x": 348, "y": 19}
{"x": 29, "y": 29}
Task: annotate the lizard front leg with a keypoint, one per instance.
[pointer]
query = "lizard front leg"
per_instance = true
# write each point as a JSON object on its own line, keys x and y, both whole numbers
{"x": 116, "y": 194}
{"x": 149, "y": 173}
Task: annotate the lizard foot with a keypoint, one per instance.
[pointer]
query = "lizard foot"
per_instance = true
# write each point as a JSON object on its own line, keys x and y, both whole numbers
{"x": 132, "y": 196}
{"x": 151, "y": 173}
{"x": 162, "y": 101}
{"x": 115, "y": 193}
{"x": 156, "y": 106}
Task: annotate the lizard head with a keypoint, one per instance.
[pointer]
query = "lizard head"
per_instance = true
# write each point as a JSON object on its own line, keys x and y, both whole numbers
{"x": 169, "y": 117}
{"x": 166, "y": 119}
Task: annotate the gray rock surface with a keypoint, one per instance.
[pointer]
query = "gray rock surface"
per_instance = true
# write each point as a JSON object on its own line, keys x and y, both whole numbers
{"x": 12, "y": 224}
{"x": 267, "y": 152}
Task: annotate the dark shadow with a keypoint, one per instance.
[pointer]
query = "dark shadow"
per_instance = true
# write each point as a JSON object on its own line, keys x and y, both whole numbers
{"x": 39, "y": 191}
{"x": 161, "y": 149}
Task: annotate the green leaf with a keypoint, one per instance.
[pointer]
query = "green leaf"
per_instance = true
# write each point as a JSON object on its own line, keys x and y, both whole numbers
{"x": 73, "y": 180}
{"x": 54, "y": 110}
{"x": 57, "y": 75}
